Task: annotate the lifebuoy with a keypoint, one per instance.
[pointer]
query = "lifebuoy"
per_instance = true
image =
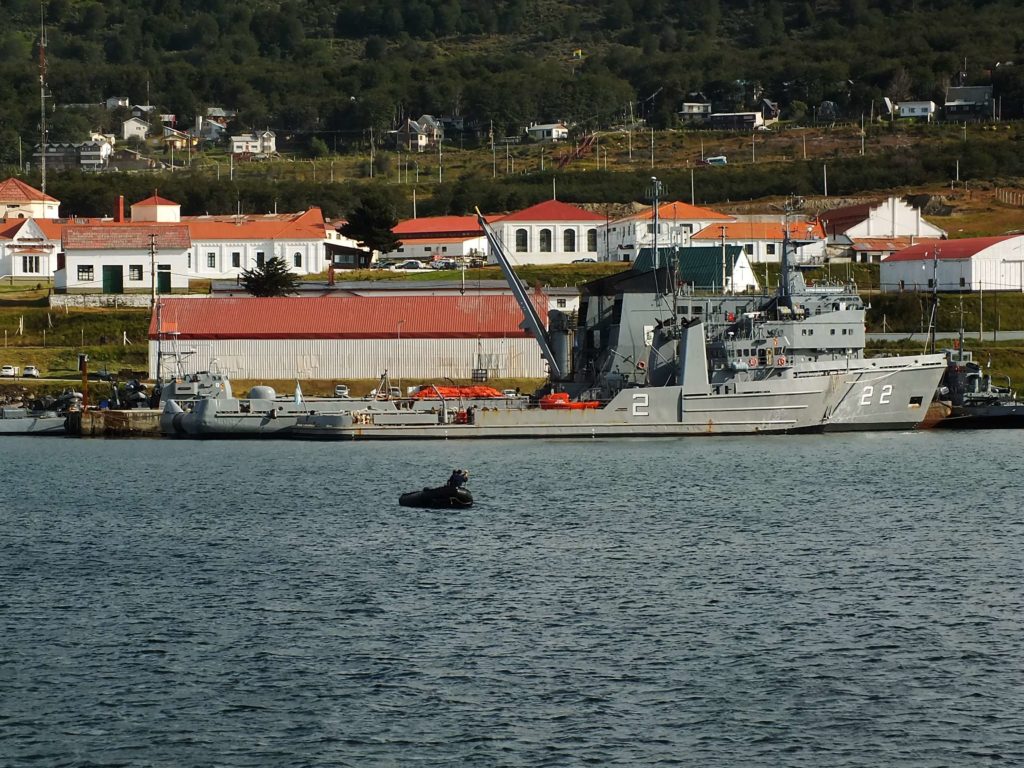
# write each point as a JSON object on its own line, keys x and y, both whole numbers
{"x": 641, "y": 365}
{"x": 753, "y": 362}
{"x": 781, "y": 359}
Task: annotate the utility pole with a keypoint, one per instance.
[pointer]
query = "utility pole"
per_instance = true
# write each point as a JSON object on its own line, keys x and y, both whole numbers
{"x": 652, "y": 149}
{"x": 439, "y": 167}
{"x": 152, "y": 268}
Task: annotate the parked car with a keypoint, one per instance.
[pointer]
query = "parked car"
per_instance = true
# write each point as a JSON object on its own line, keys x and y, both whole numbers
{"x": 9, "y": 371}
{"x": 341, "y": 390}
{"x": 584, "y": 260}
{"x": 31, "y": 372}
{"x": 444, "y": 264}
{"x": 409, "y": 264}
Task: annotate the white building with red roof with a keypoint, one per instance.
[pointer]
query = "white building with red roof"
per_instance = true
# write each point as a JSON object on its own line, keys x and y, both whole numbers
{"x": 761, "y": 239}
{"x": 439, "y": 237}
{"x": 114, "y": 257}
{"x": 224, "y": 245}
{"x": 860, "y": 231}
{"x": 415, "y": 339}
{"x": 622, "y": 238}
{"x": 19, "y": 200}
{"x": 551, "y": 232}
{"x": 29, "y": 248}
{"x": 968, "y": 264}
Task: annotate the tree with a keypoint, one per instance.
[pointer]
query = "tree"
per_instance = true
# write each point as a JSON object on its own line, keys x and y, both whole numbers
{"x": 371, "y": 223}
{"x": 271, "y": 279}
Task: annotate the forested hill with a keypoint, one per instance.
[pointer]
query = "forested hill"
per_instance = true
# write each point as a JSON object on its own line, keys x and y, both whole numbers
{"x": 339, "y": 69}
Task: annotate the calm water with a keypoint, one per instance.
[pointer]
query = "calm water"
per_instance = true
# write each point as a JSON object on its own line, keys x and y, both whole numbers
{"x": 785, "y": 601}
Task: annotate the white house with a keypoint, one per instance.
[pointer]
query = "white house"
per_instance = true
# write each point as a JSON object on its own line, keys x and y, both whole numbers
{"x": 891, "y": 218}
{"x": 261, "y": 143}
{"x": 439, "y": 237}
{"x": 760, "y": 239}
{"x": 551, "y": 232}
{"x": 118, "y": 257}
{"x": 221, "y": 246}
{"x": 968, "y": 264}
{"x": 134, "y": 128}
{"x": 18, "y": 200}
{"x": 29, "y": 248}
{"x": 621, "y": 239}
{"x": 548, "y": 132}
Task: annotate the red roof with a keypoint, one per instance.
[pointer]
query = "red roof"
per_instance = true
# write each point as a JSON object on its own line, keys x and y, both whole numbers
{"x": 760, "y": 230}
{"x": 679, "y": 210}
{"x": 51, "y": 228}
{"x": 953, "y": 250}
{"x": 439, "y": 225}
{"x": 553, "y": 210}
{"x": 16, "y": 191}
{"x": 890, "y": 244}
{"x": 156, "y": 200}
{"x": 838, "y": 220}
{"x": 308, "y": 225}
{"x": 116, "y": 235}
{"x": 346, "y": 317}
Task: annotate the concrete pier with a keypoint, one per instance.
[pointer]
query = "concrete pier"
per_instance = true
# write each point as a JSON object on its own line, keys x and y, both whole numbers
{"x": 141, "y": 422}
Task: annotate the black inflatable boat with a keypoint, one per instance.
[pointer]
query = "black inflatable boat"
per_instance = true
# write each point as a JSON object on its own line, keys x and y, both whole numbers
{"x": 444, "y": 497}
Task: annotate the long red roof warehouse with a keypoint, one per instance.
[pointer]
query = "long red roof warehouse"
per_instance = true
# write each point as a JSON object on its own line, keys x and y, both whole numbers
{"x": 344, "y": 317}
{"x": 963, "y": 248}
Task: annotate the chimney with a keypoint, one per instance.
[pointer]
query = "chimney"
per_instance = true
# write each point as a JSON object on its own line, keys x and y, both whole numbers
{"x": 119, "y": 213}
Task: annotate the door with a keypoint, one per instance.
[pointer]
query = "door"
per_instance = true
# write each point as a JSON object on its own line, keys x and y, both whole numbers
{"x": 163, "y": 278}
{"x": 113, "y": 278}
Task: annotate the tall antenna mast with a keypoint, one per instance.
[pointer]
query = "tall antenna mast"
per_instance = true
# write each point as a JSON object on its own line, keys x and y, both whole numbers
{"x": 42, "y": 94}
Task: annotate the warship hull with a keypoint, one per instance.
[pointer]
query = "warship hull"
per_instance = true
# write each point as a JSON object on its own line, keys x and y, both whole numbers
{"x": 893, "y": 394}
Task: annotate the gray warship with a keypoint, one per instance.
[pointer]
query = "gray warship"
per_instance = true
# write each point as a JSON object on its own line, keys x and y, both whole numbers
{"x": 645, "y": 357}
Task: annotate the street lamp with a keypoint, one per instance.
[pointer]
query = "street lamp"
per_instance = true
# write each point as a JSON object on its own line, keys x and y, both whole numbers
{"x": 399, "y": 366}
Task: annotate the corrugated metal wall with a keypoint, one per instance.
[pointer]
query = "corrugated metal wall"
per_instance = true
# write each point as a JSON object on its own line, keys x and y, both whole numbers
{"x": 408, "y": 359}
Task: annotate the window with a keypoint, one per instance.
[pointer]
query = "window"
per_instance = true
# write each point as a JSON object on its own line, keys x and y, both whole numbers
{"x": 769, "y": 248}
{"x": 211, "y": 260}
{"x": 261, "y": 258}
{"x": 444, "y": 249}
{"x": 569, "y": 241}
{"x": 85, "y": 272}
{"x": 650, "y": 229}
{"x": 963, "y": 282}
{"x": 522, "y": 241}
{"x": 560, "y": 303}
{"x": 748, "y": 249}
{"x": 592, "y": 240}
{"x": 401, "y": 250}
{"x": 188, "y": 258}
{"x": 29, "y": 264}
{"x": 135, "y": 272}
{"x": 545, "y": 241}
{"x": 931, "y": 282}
{"x": 236, "y": 259}
{"x": 297, "y": 259}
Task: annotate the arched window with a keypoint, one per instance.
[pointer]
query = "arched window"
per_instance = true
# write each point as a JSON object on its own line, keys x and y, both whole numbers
{"x": 522, "y": 241}
{"x": 592, "y": 240}
{"x": 569, "y": 241}
{"x": 545, "y": 241}
{"x": 297, "y": 259}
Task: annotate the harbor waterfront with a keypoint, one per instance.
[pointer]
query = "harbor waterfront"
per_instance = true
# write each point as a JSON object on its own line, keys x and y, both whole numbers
{"x": 840, "y": 600}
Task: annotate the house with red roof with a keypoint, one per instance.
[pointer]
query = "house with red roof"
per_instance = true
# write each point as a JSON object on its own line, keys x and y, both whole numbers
{"x": 414, "y": 338}
{"x": 116, "y": 257}
{"x": 967, "y": 264}
{"x": 761, "y": 239}
{"x": 19, "y": 200}
{"x": 29, "y": 248}
{"x": 439, "y": 237}
{"x": 551, "y": 232}
{"x": 621, "y": 239}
